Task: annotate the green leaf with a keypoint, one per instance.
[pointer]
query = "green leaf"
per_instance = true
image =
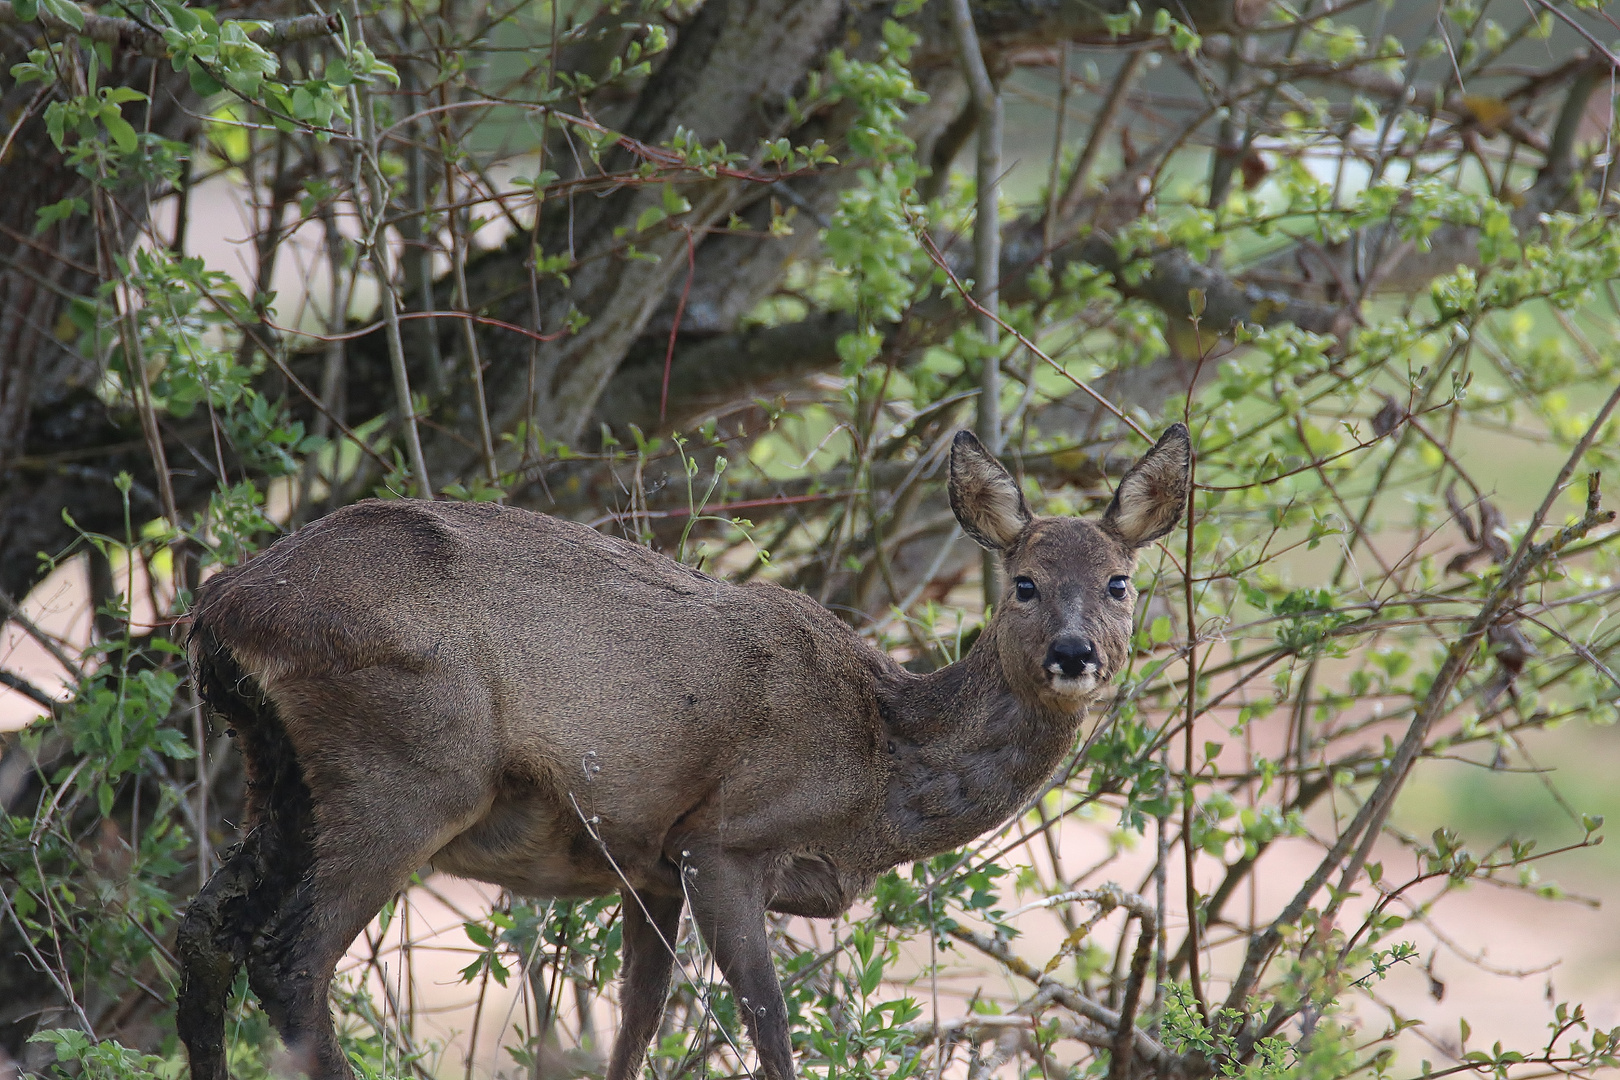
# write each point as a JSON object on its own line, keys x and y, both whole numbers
{"x": 119, "y": 129}
{"x": 59, "y": 211}
{"x": 204, "y": 84}
{"x": 65, "y": 10}
{"x": 674, "y": 201}
{"x": 185, "y": 20}
{"x": 650, "y": 217}
{"x": 871, "y": 975}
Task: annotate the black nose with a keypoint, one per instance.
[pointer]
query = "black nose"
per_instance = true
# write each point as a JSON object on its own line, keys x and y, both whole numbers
{"x": 1072, "y": 655}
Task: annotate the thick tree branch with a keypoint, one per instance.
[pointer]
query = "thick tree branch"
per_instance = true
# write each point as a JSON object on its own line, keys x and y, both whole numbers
{"x": 129, "y": 36}
{"x": 986, "y": 220}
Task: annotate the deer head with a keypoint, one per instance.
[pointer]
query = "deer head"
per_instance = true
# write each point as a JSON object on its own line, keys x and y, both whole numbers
{"x": 1063, "y": 626}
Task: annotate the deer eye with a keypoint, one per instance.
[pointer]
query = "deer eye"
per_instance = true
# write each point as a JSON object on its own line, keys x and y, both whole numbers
{"x": 1118, "y": 586}
{"x": 1024, "y": 589}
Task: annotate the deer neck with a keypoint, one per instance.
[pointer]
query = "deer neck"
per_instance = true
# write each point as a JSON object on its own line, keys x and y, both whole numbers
{"x": 968, "y": 750}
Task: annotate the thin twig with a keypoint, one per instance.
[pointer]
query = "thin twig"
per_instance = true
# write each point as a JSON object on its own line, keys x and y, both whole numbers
{"x": 10, "y": 611}
{"x": 475, "y": 362}
{"x": 1146, "y": 1048}
{"x": 49, "y": 972}
{"x": 1369, "y": 820}
{"x": 376, "y": 242}
{"x": 1075, "y": 191}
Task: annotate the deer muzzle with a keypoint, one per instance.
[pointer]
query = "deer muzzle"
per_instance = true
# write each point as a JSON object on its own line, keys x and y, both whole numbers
{"x": 1073, "y": 664}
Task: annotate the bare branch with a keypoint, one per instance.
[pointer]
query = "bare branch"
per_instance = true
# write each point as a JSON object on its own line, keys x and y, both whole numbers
{"x": 27, "y": 690}
{"x": 1146, "y": 1047}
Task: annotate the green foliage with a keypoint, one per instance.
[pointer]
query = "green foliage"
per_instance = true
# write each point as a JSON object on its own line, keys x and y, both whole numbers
{"x": 872, "y": 237}
{"x": 870, "y": 1039}
{"x": 106, "y": 1060}
{"x": 923, "y": 899}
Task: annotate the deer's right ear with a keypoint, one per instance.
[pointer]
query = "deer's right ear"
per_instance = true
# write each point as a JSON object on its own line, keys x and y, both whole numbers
{"x": 984, "y": 496}
{"x": 1153, "y": 492}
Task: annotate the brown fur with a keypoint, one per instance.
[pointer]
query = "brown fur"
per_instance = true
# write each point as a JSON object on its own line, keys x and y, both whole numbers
{"x": 524, "y": 701}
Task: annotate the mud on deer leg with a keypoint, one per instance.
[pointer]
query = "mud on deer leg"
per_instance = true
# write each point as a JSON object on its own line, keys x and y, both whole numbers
{"x": 651, "y": 925}
{"x": 291, "y": 963}
{"x": 268, "y": 975}
{"x": 727, "y": 894}
{"x": 363, "y": 840}
{"x": 212, "y": 943}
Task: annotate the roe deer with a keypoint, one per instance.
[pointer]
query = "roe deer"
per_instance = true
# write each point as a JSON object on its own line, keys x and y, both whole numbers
{"x": 527, "y": 702}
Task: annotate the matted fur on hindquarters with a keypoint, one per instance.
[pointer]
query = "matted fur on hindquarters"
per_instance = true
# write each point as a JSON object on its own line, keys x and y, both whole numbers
{"x": 225, "y": 920}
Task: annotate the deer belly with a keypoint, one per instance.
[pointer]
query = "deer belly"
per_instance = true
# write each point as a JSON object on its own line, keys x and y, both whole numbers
{"x": 814, "y": 887}
{"x": 530, "y": 846}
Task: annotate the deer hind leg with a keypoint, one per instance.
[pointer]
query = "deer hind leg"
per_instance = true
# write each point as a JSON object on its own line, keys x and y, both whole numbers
{"x": 727, "y": 895}
{"x": 386, "y": 796}
{"x": 651, "y": 925}
{"x": 213, "y": 942}
{"x": 248, "y": 889}
{"x": 292, "y": 960}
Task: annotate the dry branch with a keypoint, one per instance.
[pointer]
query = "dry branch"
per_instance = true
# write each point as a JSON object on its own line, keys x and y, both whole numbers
{"x": 1147, "y": 1048}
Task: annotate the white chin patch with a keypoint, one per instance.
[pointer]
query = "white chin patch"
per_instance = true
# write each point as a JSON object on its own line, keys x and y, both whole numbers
{"x": 1073, "y": 685}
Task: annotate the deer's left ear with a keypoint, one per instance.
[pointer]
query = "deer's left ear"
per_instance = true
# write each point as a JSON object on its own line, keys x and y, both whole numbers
{"x": 1151, "y": 496}
{"x": 984, "y": 496}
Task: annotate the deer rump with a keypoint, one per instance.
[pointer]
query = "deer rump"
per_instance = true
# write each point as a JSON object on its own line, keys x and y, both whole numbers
{"x": 524, "y": 701}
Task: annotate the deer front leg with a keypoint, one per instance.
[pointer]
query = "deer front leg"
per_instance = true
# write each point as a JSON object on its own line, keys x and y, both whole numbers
{"x": 726, "y": 892}
{"x": 651, "y": 924}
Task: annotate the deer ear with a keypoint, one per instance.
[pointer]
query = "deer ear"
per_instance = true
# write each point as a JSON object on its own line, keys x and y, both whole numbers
{"x": 984, "y": 496}
{"x": 1152, "y": 495}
